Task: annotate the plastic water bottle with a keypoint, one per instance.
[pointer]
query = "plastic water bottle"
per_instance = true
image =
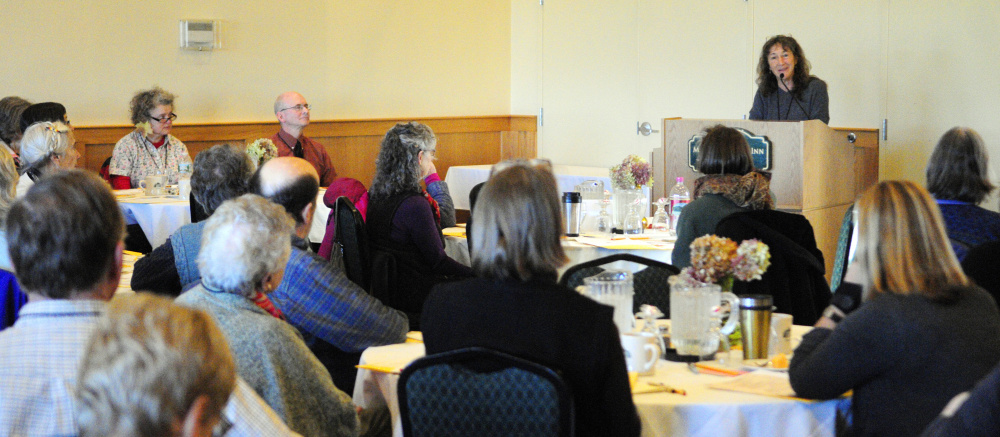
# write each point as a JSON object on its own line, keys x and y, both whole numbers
{"x": 679, "y": 197}
{"x": 184, "y": 170}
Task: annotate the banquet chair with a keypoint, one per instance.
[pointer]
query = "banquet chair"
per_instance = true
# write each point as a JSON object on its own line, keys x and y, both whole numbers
{"x": 11, "y": 299}
{"x": 796, "y": 279}
{"x": 650, "y": 284}
{"x": 482, "y": 392}
{"x": 353, "y": 238}
{"x": 473, "y": 196}
{"x": 843, "y": 248}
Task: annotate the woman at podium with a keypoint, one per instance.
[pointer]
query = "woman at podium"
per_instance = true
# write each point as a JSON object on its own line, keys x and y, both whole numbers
{"x": 785, "y": 90}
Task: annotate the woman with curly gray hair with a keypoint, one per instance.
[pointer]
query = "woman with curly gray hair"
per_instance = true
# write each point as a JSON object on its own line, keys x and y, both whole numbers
{"x": 404, "y": 221}
{"x": 149, "y": 149}
{"x": 244, "y": 250}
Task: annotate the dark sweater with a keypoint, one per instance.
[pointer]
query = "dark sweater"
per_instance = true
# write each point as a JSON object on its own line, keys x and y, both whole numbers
{"x": 905, "y": 357}
{"x": 548, "y": 324}
{"x": 779, "y": 105}
{"x": 968, "y": 226}
{"x": 979, "y": 415}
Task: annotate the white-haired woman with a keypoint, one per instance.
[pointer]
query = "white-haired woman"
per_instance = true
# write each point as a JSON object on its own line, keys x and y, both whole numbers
{"x": 245, "y": 247}
{"x": 405, "y": 220}
{"x": 907, "y": 330}
{"x": 45, "y": 147}
{"x": 516, "y": 306}
{"x": 149, "y": 149}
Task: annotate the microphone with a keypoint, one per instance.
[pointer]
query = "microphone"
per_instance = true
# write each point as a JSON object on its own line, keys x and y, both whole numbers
{"x": 781, "y": 81}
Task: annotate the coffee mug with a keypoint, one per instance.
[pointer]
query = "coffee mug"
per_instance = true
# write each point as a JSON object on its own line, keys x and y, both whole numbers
{"x": 781, "y": 334}
{"x": 642, "y": 351}
{"x": 154, "y": 185}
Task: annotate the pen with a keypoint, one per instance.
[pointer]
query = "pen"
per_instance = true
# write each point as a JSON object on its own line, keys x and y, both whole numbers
{"x": 670, "y": 389}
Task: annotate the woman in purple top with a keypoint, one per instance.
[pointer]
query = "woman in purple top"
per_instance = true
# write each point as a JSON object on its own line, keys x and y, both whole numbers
{"x": 404, "y": 223}
{"x": 957, "y": 176}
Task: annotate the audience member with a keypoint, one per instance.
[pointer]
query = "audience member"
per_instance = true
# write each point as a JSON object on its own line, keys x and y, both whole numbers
{"x": 245, "y": 248}
{"x": 980, "y": 265}
{"x": 149, "y": 149}
{"x": 958, "y": 178}
{"x": 153, "y": 368}
{"x": 46, "y": 147}
{"x": 516, "y": 306}
{"x": 293, "y": 116}
{"x": 8, "y": 188}
{"x": 922, "y": 333}
{"x": 66, "y": 238}
{"x": 316, "y": 296}
{"x": 11, "y": 108}
{"x": 220, "y": 173}
{"x": 45, "y": 111}
{"x": 730, "y": 184}
{"x": 404, "y": 221}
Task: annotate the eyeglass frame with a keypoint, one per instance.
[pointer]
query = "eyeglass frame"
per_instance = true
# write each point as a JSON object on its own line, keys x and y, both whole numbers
{"x": 162, "y": 120}
{"x": 298, "y": 108}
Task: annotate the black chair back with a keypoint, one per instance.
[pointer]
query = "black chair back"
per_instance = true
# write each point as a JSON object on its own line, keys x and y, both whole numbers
{"x": 353, "y": 239}
{"x": 650, "y": 284}
{"x": 482, "y": 392}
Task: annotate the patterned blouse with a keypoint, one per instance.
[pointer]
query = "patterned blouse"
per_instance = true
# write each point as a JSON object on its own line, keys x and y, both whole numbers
{"x": 136, "y": 157}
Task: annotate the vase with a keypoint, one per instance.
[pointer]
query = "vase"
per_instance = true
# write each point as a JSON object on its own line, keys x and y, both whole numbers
{"x": 623, "y": 199}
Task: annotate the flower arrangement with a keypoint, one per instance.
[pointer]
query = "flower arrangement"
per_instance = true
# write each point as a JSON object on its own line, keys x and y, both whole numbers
{"x": 718, "y": 260}
{"x": 633, "y": 172}
{"x": 145, "y": 128}
{"x": 261, "y": 151}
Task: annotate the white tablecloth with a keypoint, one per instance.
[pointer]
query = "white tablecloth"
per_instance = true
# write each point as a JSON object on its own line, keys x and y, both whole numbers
{"x": 461, "y": 179}
{"x": 458, "y": 249}
{"x": 160, "y": 216}
{"x": 704, "y": 412}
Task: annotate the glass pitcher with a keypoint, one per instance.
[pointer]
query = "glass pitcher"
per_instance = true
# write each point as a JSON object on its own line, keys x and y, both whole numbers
{"x": 695, "y": 315}
{"x": 614, "y": 288}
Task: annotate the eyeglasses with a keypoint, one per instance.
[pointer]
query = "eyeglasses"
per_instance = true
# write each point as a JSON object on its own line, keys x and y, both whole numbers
{"x": 170, "y": 117}
{"x": 297, "y": 108}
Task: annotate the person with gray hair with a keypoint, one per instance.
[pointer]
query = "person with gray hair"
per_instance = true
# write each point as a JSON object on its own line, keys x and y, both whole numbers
{"x": 46, "y": 147}
{"x": 514, "y": 305}
{"x": 221, "y": 172}
{"x": 404, "y": 221}
{"x": 149, "y": 149}
{"x": 958, "y": 178}
{"x": 244, "y": 250}
{"x": 293, "y": 113}
{"x": 153, "y": 368}
{"x": 11, "y": 108}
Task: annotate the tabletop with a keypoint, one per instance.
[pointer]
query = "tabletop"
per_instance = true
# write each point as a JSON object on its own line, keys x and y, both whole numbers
{"x": 461, "y": 179}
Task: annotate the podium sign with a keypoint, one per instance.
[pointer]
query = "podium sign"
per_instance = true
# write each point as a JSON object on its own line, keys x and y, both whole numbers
{"x": 760, "y": 150}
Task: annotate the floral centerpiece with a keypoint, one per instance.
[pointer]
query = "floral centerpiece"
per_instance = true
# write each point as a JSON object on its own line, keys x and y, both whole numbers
{"x": 261, "y": 151}
{"x": 633, "y": 173}
{"x": 718, "y": 260}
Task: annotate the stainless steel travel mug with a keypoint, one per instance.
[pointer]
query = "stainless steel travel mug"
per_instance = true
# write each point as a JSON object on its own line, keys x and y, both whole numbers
{"x": 572, "y": 200}
{"x": 755, "y": 321}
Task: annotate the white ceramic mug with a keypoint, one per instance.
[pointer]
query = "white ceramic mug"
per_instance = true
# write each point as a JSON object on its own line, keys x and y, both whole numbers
{"x": 154, "y": 185}
{"x": 781, "y": 334}
{"x": 642, "y": 351}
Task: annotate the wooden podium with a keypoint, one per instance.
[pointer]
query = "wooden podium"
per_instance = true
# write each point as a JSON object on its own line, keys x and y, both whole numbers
{"x": 817, "y": 171}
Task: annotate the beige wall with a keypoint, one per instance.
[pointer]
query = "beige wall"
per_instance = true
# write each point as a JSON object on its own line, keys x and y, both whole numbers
{"x": 351, "y": 59}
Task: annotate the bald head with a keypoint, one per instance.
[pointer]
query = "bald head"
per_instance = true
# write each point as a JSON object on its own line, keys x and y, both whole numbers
{"x": 292, "y": 111}
{"x": 290, "y": 182}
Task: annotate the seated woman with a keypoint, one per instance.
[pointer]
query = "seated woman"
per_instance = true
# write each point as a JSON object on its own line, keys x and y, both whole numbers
{"x": 958, "y": 178}
{"x": 730, "y": 184}
{"x": 922, "y": 332}
{"x": 45, "y": 148}
{"x": 515, "y": 305}
{"x": 405, "y": 221}
{"x": 244, "y": 250}
{"x": 149, "y": 149}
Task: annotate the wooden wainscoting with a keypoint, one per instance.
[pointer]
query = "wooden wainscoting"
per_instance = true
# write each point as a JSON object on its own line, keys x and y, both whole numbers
{"x": 351, "y": 144}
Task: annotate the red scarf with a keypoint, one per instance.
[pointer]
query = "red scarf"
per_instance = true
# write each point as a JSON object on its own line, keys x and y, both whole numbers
{"x": 265, "y": 304}
{"x": 434, "y": 207}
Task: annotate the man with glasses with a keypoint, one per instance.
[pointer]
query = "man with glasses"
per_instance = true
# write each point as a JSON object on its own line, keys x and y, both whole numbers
{"x": 293, "y": 115}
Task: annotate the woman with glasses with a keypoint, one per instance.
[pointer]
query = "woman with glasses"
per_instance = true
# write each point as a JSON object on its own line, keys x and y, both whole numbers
{"x": 404, "y": 221}
{"x": 149, "y": 149}
{"x": 515, "y": 306}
